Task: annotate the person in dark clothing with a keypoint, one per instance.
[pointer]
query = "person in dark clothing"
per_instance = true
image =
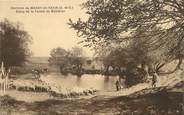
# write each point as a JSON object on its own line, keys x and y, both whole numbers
{"x": 118, "y": 85}
{"x": 154, "y": 79}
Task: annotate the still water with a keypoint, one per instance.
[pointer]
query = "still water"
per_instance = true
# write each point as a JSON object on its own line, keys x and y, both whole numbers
{"x": 96, "y": 81}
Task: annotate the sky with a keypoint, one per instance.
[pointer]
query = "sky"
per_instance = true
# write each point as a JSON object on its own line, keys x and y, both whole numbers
{"x": 48, "y": 30}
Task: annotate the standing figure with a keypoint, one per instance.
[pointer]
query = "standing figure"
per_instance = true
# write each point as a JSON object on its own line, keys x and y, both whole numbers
{"x": 154, "y": 79}
{"x": 118, "y": 87}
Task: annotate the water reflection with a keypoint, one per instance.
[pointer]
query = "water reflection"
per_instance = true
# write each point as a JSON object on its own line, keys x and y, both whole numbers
{"x": 99, "y": 82}
{"x": 78, "y": 81}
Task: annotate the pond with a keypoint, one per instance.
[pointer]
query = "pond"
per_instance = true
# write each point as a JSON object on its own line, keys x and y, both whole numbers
{"x": 96, "y": 81}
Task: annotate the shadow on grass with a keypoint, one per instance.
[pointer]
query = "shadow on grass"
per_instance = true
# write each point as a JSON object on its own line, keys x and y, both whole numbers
{"x": 158, "y": 103}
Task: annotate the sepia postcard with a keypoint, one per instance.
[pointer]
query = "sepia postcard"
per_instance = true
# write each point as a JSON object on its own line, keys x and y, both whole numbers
{"x": 91, "y": 57}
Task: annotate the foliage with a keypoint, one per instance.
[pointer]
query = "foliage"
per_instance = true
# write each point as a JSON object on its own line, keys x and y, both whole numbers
{"x": 14, "y": 41}
{"x": 71, "y": 59}
{"x": 154, "y": 27}
{"x": 59, "y": 57}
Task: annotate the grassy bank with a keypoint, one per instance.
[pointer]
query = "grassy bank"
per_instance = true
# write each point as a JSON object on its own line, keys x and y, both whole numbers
{"x": 160, "y": 103}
